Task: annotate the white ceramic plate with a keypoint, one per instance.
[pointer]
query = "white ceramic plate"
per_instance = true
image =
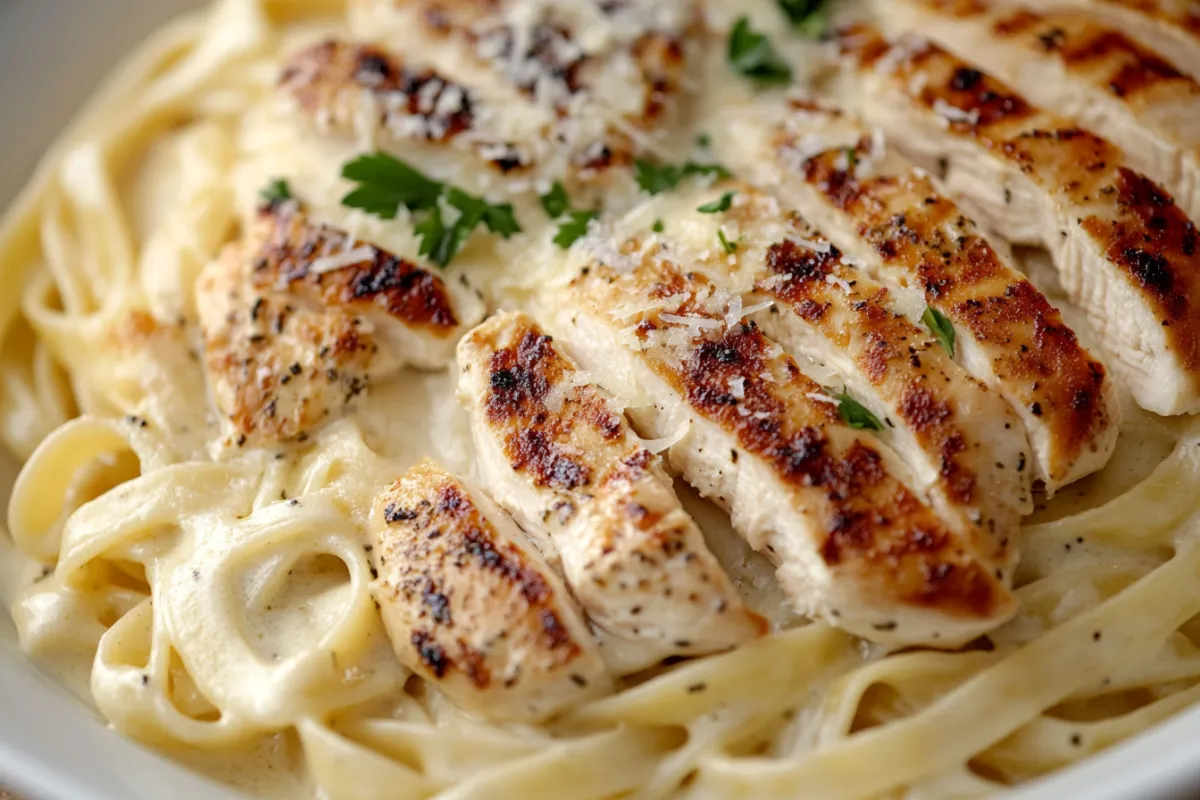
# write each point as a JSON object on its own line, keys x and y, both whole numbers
{"x": 52, "y": 53}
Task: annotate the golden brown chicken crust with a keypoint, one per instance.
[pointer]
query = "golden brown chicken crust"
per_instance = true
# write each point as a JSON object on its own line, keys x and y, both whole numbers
{"x": 318, "y": 76}
{"x": 560, "y": 451}
{"x": 875, "y": 529}
{"x": 476, "y": 604}
{"x": 1141, "y": 229}
{"x": 891, "y": 357}
{"x": 909, "y": 224}
{"x": 276, "y": 370}
{"x": 286, "y": 244}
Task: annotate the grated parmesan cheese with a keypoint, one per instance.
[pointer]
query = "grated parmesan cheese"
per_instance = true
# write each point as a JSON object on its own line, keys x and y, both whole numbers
{"x": 346, "y": 258}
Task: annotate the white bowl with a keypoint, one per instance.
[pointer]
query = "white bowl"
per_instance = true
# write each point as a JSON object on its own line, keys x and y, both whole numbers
{"x": 52, "y": 747}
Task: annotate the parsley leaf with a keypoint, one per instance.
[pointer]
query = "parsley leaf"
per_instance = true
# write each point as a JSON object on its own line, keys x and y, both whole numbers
{"x": 573, "y": 227}
{"x": 500, "y": 219}
{"x": 655, "y": 178}
{"x": 730, "y": 247}
{"x": 751, "y": 54}
{"x": 277, "y": 191}
{"x": 658, "y": 226}
{"x": 556, "y": 201}
{"x": 703, "y": 141}
{"x": 856, "y": 414}
{"x": 716, "y": 170}
{"x": 941, "y": 328}
{"x": 386, "y": 183}
{"x": 721, "y": 204}
{"x": 810, "y": 17}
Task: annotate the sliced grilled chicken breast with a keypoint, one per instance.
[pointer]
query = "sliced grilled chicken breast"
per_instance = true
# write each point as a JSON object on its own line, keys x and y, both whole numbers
{"x": 962, "y": 442}
{"x": 1082, "y": 69}
{"x": 880, "y": 209}
{"x": 472, "y": 608}
{"x": 853, "y": 544}
{"x": 570, "y": 470}
{"x": 298, "y": 320}
{"x": 1168, "y": 27}
{"x": 1124, "y": 251}
{"x": 543, "y": 91}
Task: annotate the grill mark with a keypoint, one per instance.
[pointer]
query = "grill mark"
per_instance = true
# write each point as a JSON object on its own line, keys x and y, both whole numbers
{"x": 964, "y": 278}
{"x": 537, "y": 440}
{"x": 316, "y": 76}
{"x": 1155, "y": 244}
{"x": 854, "y": 483}
{"x": 397, "y": 286}
{"x": 439, "y": 531}
{"x": 1132, "y": 69}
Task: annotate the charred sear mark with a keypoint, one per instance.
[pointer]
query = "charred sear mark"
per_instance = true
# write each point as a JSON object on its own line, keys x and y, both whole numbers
{"x": 867, "y": 513}
{"x": 537, "y": 439}
{"x": 395, "y": 285}
{"x": 458, "y": 579}
{"x": 801, "y": 264}
{"x": 1155, "y": 243}
{"x": 319, "y": 76}
{"x": 431, "y": 654}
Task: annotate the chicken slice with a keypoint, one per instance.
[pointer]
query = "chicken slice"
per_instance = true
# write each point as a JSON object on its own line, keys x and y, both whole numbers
{"x": 1124, "y": 251}
{"x": 853, "y": 544}
{"x": 298, "y": 319}
{"x": 876, "y": 207}
{"x": 1168, "y": 27}
{"x": 540, "y": 92}
{"x": 1085, "y": 70}
{"x": 472, "y": 608}
{"x": 571, "y": 471}
{"x": 962, "y": 442}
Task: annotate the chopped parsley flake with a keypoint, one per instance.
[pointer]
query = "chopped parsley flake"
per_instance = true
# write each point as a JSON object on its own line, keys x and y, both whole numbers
{"x": 386, "y": 183}
{"x": 655, "y": 178}
{"x": 941, "y": 328}
{"x": 728, "y": 246}
{"x": 573, "y": 227}
{"x": 658, "y": 226}
{"x": 277, "y": 191}
{"x": 810, "y": 17}
{"x": 856, "y": 414}
{"x": 556, "y": 201}
{"x": 720, "y": 204}
{"x": 751, "y": 54}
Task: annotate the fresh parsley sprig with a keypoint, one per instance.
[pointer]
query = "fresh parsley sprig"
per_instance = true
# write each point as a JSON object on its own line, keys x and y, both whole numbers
{"x": 654, "y": 177}
{"x": 751, "y": 54}
{"x": 572, "y": 223}
{"x": 386, "y": 183}
{"x": 855, "y": 414}
{"x": 941, "y": 328}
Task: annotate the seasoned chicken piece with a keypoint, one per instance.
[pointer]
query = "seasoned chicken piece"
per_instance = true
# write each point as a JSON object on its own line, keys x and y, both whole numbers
{"x": 962, "y": 442}
{"x": 571, "y": 471}
{"x": 298, "y": 319}
{"x": 874, "y": 205}
{"x": 853, "y": 544}
{"x": 472, "y": 608}
{"x": 1082, "y": 69}
{"x": 547, "y": 91}
{"x": 1124, "y": 251}
{"x": 1170, "y": 28}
